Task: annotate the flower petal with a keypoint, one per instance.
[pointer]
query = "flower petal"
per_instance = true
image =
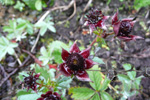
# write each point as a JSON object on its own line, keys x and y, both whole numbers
{"x": 74, "y": 48}
{"x": 37, "y": 75}
{"x": 132, "y": 23}
{"x": 89, "y": 63}
{"x": 86, "y": 23}
{"x": 91, "y": 27}
{"x": 83, "y": 76}
{"x": 40, "y": 99}
{"x": 105, "y": 17}
{"x": 64, "y": 54}
{"x": 131, "y": 37}
{"x": 116, "y": 28}
{"x": 115, "y": 18}
{"x": 127, "y": 19}
{"x": 85, "y": 53}
{"x": 64, "y": 69}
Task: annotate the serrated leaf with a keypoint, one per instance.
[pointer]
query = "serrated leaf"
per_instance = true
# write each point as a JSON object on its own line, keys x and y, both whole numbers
{"x": 137, "y": 82}
{"x": 105, "y": 96}
{"x": 95, "y": 97}
{"x": 98, "y": 60}
{"x": 64, "y": 82}
{"x": 29, "y": 96}
{"x": 51, "y": 28}
{"x": 21, "y": 77}
{"x": 131, "y": 74}
{"x": 81, "y": 93}
{"x": 57, "y": 56}
{"x": 30, "y": 3}
{"x": 23, "y": 92}
{"x": 6, "y": 47}
{"x": 105, "y": 84}
{"x": 43, "y": 72}
{"x": 46, "y": 55}
{"x": 21, "y": 26}
{"x": 30, "y": 28}
{"x": 126, "y": 86}
{"x": 38, "y": 5}
{"x": 43, "y": 30}
{"x": 19, "y": 6}
{"x": 96, "y": 78}
{"x": 127, "y": 66}
{"x": 123, "y": 77}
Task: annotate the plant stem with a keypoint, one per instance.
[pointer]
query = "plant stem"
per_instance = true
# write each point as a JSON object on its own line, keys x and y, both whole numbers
{"x": 43, "y": 85}
{"x": 93, "y": 41}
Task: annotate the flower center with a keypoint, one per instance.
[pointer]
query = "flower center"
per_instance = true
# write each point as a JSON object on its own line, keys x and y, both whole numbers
{"x": 94, "y": 17}
{"x": 51, "y": 97}
{"x": 75, "y": 62}
{"x": 30, "y": 80}
{"x": 125, "y": 28}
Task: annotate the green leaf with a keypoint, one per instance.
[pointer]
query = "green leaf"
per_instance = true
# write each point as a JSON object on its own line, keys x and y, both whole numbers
{"x": 30, "y": 28}
{"x": 127, "y": 66}
{"x": 98, "y": 60}
{"x": 81, "y": 93}
{"x": 131, "y": 74}
{"x": 46, "y": 56}
{"x": 123, "y": 77}
{"x": 23, "y": 92}
{"x": 137, "y": 82}
{"x": 96, "y": 32}
{"x": 105, "y": 84}
{"x": 56, "y": 48}
{"x": 51, "y": 28}
{"x": 140, "y": 3}
{"x": 7, "y": 2}
{"x": 19, "y": 6}
{"x": 38, "y": 5}
{"x": 96, "y": 78}
{"x": 126, "y": 86}
{"x": 21, "y": 77}
{"x": 64, "y": 82}
{"x": 43, "y": 72}
{"x": 30, "y": 96}
{"x": 43, "y": 30}
{"x": 21, "y": 26}
{"x": 30, "y": 3}
{"x": 6, "y": 47}
{"x": 105, "y": 96}
{"x": 95, "y": 97}
{"x": 57, "y": 56}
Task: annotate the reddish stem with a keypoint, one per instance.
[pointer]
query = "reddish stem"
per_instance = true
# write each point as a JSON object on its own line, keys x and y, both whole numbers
{"x": 103, "y": 36}
{"x": 93, "y": 41}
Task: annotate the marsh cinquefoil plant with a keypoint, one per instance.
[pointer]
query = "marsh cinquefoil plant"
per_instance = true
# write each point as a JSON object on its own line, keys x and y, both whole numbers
{"x": 51, "y": 83}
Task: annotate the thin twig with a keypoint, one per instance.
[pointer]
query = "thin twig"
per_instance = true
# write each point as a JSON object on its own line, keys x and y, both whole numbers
{"x": 87, "y": 5}
{"x": 8, "y": 76}
{"x": 118, "y": 71}
{"x": 45, "y": 15}
{"x": 19, "y": 61}
{"x": 15, "y": 70}
{"x": 35, "y": 59}
{"x": 74, "y": 12}
{"x": 3, "y": 70}
{"x": 37, "y": 39}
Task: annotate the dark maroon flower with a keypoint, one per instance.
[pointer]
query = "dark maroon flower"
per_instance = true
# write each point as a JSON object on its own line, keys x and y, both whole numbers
{"x": 123, "y": 28}
{"x": 75, "y": 62}
{"x": 96, "y": 19}
{"x": 50, "y": 96}
{"x": 30, "y": 81}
